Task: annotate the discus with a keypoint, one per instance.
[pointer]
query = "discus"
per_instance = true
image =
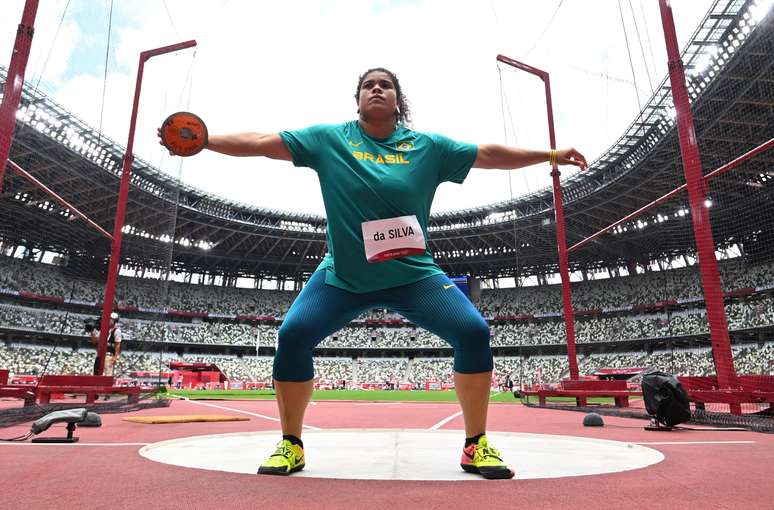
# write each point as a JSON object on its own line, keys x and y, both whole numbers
{"x": 184, "y": 134}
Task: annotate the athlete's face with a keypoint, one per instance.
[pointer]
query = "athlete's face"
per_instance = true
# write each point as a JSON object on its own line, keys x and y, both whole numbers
{"x": 378, "y": 98}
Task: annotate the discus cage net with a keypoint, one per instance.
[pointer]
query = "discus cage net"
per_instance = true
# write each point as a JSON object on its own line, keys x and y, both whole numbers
{"x": 54, "y": 260}
{"x": 59, "y": 198}
{"x": 53, "y": 257}
{"x": 717, "y": 337}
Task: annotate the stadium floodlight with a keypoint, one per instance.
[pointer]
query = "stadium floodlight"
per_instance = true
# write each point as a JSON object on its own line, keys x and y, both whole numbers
{"x": 704, "y": 61}
{"x": 759, "y": 10}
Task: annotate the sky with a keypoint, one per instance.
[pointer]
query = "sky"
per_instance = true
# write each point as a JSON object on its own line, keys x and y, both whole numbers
{"x": 267, "y": 66}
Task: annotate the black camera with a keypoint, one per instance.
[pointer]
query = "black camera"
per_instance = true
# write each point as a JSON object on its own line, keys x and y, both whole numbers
{"x": 90, "y": 325}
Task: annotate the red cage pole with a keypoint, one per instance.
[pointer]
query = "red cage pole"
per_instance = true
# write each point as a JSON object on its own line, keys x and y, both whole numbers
{"x": 707, "y": 178}
{"x": 14, "y": 82}
{"x": 123, "y": 193}
{"x": 702, "y": 226}
{"x": 561, "y": 238}
{"x": 61, "y": 201}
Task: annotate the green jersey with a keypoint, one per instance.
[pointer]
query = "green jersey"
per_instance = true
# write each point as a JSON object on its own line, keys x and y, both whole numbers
{"x": 365, "y": 179}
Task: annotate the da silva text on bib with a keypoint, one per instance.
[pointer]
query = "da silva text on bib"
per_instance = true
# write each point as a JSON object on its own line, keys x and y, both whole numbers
{"x": 392, "y": 238}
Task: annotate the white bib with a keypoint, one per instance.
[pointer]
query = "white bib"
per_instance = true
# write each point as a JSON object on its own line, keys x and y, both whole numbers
{"x": 393, "y": 238}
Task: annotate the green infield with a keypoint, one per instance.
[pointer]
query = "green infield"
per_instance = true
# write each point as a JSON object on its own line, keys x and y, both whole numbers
{"x": 363, "y": 395}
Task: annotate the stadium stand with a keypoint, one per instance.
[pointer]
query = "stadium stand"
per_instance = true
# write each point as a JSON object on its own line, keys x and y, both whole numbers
{"x": 620, "y": 311}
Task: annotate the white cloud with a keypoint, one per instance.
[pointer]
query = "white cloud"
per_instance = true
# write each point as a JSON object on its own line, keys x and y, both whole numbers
{"x": 46, "y": 22}
{"x": 273, "y": 65}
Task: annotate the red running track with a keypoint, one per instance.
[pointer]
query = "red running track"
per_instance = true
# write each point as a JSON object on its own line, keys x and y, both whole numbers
{"x": 105, "y": 471}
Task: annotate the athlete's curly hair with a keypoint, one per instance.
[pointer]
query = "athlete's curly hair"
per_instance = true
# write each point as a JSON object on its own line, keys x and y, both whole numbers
{"x": 403, "y": 115}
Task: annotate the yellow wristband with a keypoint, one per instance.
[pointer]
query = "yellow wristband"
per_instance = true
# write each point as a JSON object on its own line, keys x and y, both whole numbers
{"x": 552, "y": 156}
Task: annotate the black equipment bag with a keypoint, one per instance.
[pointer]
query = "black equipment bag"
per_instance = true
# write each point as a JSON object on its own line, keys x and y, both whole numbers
{"x": 665, "y": 398}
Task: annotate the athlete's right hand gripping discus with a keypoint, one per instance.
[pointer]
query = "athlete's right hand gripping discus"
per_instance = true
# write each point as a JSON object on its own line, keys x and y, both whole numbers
{"x": 184, "y": 134}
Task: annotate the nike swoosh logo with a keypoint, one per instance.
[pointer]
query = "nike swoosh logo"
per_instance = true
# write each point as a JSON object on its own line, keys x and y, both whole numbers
{"x": 448, "y": 286}
{"x": 353, "y": 144}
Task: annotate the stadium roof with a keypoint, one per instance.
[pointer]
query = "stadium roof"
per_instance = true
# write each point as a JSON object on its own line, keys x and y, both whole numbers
{"x": 729, "y": 65}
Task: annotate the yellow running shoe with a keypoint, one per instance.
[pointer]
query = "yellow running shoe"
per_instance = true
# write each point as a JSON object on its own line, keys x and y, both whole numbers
{"x": 287, "y": 458}
{"x": 483, "y": 459}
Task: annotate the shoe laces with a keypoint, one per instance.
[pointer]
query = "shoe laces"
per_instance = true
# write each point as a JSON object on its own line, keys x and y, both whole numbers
{"x": 486, "y": 451}
{"x": 284, "y": 449}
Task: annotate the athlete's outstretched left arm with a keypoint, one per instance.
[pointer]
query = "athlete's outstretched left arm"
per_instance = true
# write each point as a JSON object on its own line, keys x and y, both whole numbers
{"x": 509, "y": 158}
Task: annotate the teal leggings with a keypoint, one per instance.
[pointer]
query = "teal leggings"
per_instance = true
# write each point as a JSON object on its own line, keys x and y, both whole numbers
{"x": 434, "y": 303}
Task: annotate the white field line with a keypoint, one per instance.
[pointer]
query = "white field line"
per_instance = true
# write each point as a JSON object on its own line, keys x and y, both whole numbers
{"x": 72, "y": 444}
{"x": 445, "y": 421}
{"x": 378, "y": 404}
{"x": 699, "y": 442}
{"x": 271, "y": 418}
